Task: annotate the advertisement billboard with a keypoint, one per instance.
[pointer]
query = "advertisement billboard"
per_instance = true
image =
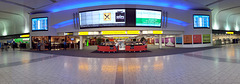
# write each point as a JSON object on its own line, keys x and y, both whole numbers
{"x": 197, "y": 39}
{"x": 40, "y": 24}
{"x": 101, "y": 18}
{"x": 170, "y": 41}
{"x": 148, "y": 18}
{"x": 187, "y": 39}
{"x": 201, "y": 21}
{"x": 179, "y": 40}
{"x": 206, "y": 38}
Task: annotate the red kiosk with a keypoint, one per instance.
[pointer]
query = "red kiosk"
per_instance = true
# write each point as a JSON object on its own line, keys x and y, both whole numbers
{"x": 130, "y": 47}
{"x": 135, "y": 47}
{"x": 107, "y": 47}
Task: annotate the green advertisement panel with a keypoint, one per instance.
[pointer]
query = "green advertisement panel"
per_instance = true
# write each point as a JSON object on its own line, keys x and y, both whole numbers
{"x": 206, "y": 38}
{"x": 148, "y": 18}
{"x": 148, "y": 21}
{"x": 22, "y": 40}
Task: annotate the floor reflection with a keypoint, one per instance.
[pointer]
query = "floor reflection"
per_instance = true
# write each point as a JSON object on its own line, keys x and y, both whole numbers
{"x": 204, "y": 67}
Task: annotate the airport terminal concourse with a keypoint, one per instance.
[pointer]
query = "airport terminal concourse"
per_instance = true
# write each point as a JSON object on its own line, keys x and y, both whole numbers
{"x": 152, "y": 26}
{"x": 119, "y": 41}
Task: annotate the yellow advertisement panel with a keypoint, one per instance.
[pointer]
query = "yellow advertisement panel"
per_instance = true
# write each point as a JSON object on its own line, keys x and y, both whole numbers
{"x": 133, "y": 32}
{"x": 82, "y": 33}
{"x": 24, "y": 36}
{"x": 157, "y": 32}
{"x": 68, "y": 34}
{"x": 113, "y": 32}
{"x": 229, "y": 32}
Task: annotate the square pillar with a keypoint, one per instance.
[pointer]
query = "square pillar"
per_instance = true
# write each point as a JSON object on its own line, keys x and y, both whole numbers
{"x": 81, "y": 43}
{"x": 164, "y": 41}
{"x": 160, "y": 41}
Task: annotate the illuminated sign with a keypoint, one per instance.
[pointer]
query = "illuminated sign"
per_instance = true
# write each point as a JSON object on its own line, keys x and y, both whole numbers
{"x": 39, "y": 24}
{"x": 201, "y": 21}
{"x": 82, "y": 33}
{"x": 229, "y": 32}
{"x": 152, "y": 32}
{"x": 68, "y": 34}
{"x": 148, "y": 18}
{"x": 157, "y": 32}
{"x": 121, "y": 32}
{"x": 113, "y": 32}
{"x": 107, "y": 16}
{"x": 25, "y": 39}
{"x": 133, "y": 32}
{"x": 102, "y": 18}
{"x": 88, "y": 33}
{"x": 93, "y": 33}
{"x": 24, "y": 36}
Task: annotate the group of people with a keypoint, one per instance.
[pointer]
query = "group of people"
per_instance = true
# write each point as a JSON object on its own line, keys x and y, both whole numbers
{"x": 5, "y": 46}
{"x": 40, "y": 44}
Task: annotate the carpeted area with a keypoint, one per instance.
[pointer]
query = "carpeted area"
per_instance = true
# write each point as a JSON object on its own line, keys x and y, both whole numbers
{"x": 149, "y": 53}
{"x": 121, "y": 52}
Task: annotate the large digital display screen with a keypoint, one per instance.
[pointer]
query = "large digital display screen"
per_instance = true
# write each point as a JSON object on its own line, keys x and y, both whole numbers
{"x": 148, "y": 18}
{"x": 201, "y": 21}
{"x": 102, "y": 18}
{"x": 40, "y": 24}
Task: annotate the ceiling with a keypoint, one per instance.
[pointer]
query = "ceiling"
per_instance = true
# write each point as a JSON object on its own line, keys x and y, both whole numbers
{"x": 225, "y": 13}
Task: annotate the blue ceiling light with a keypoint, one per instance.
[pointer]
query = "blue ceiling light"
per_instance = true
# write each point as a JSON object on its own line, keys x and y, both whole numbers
{"x": 180, "y": 7}
{"x": 177, "y": 22}
{"x": 63, "y": 24}
{"x": 100, "y": 2}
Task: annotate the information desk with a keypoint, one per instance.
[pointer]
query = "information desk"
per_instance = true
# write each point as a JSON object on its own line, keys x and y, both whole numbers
{"x": 109, "y": 48}
{"x": 139, "y": 48}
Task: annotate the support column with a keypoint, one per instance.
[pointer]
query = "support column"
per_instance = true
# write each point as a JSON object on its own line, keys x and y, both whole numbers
{"x": 160, "y": 41}
{"x": 30, "y": 43}
{"x": 164, "y": 41}
{"x": 81, "y": 43}
{"x": 182, "y": 39}
{"x": 175, "y": 45}
{"x": 211, "y": 38}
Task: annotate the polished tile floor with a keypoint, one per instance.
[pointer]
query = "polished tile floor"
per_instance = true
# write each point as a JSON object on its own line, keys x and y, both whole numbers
{"x": 213, "y": 66}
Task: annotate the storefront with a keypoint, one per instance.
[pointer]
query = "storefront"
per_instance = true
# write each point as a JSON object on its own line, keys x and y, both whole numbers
{"x": 55, "y": 42}
{"x": 225, "y": 37}
{"x": 17, "y": 41}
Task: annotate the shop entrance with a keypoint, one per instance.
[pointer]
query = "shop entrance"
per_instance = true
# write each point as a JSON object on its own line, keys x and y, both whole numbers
{"x": 222, "y": 39}
{"x": 55, "y": 42}
{"x": 152, "y": 41}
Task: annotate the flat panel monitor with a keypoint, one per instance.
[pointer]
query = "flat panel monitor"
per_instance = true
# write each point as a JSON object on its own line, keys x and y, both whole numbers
{"x": 40, "y": 24}
{"x": 201, "y": 21}
{"x": 148, "y": 18}
{"x": 102, "y": 18}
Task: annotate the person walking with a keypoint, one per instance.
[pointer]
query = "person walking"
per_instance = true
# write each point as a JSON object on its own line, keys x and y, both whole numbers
{"x": 116, "y": 45}
{"x": 2, "y": 46}
{"x": 65, "y": 45}
{"x": 6, "y": 46}
{"x": 13, "y": 45}
{"x": 78, "y": 45}
{"x": 39, "y": 46}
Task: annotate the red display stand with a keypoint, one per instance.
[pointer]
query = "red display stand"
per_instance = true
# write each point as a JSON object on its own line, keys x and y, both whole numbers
{"x": 137, "y": 48}
{"x": 106, "y": 49}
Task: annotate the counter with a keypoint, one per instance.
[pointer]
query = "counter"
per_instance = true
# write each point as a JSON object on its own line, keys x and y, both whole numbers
{"x": 110, "y": 48}
{"x": 139, "y": 48}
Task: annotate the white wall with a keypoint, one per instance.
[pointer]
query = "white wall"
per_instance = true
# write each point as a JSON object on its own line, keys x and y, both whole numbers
{"x": 189, "y": 30}
{"x": 51, "y": 31}
{"x": 13, "y": 19}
